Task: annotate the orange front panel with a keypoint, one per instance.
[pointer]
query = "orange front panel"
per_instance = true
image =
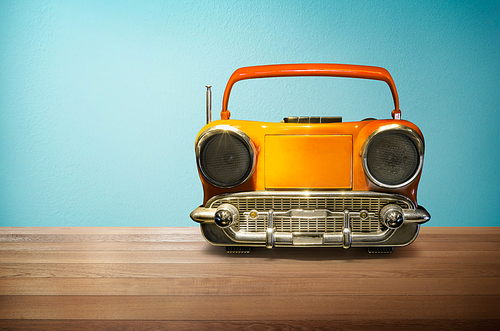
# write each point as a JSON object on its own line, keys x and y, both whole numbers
{"x": 308, "y": 161}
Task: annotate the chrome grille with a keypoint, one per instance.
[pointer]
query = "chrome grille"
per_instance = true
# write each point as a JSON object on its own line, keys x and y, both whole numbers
{"x": 311, "y": 225}
{"x": 364, "y": 212}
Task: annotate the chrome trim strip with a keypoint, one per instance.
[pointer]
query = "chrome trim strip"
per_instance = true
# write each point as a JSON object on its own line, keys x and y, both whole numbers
{"x": 329, "y": 239}
{"x": 410, "y": 133}
{"x": 346, "y": 232}
{"x": 270, "y": 230}
{"x": 247, "y": 237}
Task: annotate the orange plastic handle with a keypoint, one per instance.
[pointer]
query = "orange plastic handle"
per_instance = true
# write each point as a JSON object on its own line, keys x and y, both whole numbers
{"x": 311, "y": 69}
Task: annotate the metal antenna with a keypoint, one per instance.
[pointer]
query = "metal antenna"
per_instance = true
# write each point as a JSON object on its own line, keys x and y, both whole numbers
{"x": 209, "y": 104}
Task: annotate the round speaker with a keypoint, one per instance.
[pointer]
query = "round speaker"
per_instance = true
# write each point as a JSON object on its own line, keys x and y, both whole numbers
{"x": 225, "y": 157}
{"x": 393, "y": 158}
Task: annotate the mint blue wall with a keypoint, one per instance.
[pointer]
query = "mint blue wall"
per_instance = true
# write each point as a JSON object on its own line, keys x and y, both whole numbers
{"x": 100, "y": 101}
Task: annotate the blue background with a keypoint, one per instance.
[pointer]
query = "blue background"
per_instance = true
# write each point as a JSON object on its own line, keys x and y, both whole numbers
{"x": 100, "y": 101}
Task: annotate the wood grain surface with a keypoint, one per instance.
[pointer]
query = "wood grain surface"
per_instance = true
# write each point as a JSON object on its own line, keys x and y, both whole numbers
{"x": 170, "y": 278}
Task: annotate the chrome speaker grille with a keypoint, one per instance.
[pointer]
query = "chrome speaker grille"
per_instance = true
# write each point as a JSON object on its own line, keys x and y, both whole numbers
{"x": 309, "y": 214}
{"x": 225, "y": 156}
{"x": 392, "y": 158}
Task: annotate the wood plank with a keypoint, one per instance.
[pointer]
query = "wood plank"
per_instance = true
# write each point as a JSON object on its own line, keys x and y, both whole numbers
{"x": 263, "y": 256}
{"x": 242, "y": 308}
{"x": 99, "y": 234}
{"x": 306, "y": 325}
{"x": 96, "y": 237}
{"x": 100, "y": 230}
{"x": 250, "y": 286}
{"x": 321, "y": 270}
{"x": 156, "y": 245}
{"x": 458, "y": 238}
{"x": 103, "y": 246}
{"x": 453, "y": 245}
{"x": 467, "y": 230}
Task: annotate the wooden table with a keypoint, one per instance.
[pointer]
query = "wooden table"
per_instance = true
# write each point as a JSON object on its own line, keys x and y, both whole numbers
{"x": 170, "y": 278}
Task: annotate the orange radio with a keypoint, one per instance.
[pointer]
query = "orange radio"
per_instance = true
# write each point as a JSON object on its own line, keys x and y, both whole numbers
{"x": 310, "y": 181}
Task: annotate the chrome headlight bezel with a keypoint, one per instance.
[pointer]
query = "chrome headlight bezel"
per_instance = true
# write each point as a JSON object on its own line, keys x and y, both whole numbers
{"x": 394, "y": 128}
{"x": 206, "y": 135}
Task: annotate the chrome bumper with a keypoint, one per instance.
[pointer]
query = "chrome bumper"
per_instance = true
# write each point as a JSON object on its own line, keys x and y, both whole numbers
{"x": 376, "y": 208}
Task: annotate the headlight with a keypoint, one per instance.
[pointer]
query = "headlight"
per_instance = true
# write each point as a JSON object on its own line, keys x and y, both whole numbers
{"x": 393, "y": 156}
{"x": 225, "y": 156}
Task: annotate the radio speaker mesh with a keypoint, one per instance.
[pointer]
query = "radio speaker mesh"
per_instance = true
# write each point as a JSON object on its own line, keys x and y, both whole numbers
{"x": 392, "y": 158}
{"x": 226, "y": 160}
